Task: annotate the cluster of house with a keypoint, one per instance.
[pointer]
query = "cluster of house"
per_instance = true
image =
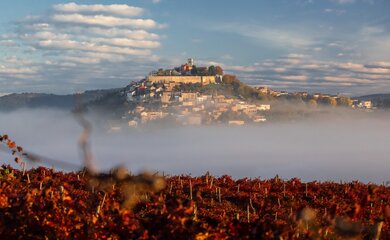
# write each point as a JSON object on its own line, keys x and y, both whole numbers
{"x": 362, "y": 104}
{"x": 354, "y": 103}
{"x": 271, "y": 92}
{"x": 145, "y": 91}
{"x": 275, "y": 93}
{"x": 192, "y": 108}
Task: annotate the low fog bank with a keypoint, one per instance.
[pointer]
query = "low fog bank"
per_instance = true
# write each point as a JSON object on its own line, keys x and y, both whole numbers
{"x": 342, "y": 147}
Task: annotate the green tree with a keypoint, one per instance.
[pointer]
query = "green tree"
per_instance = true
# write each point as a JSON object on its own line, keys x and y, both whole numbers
{"x": 194, "y": 70}
{"x": 212, "y": 70}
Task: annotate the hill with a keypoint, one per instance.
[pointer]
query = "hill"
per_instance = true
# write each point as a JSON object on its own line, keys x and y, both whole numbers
{"x": 379, "y": 100}
{"x": 16, "y": 101}
{"x": 226, "y": 101}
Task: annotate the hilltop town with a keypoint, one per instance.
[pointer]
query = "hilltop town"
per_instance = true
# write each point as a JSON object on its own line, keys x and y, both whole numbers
{"x": 189, "y": 95}
{"x": 198, "y": 95}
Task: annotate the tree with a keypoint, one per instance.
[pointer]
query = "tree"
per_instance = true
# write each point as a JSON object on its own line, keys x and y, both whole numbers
{"x": 344, "y": 101}
{"x": 218, "y": 70}
{"x": 328, "y": 101}
{"x": 212, "y": 70}
{"x": 194, "y": 70}
{"x": 228, "y": 79}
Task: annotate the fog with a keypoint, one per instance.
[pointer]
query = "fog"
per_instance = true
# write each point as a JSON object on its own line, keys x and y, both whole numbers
{"x": 338, "y": 148}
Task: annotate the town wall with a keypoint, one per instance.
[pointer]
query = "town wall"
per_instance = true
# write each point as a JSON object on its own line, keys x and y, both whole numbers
{"x": 204, "y": 80}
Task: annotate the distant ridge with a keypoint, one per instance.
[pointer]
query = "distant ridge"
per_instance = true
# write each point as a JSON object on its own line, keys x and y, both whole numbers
{"x": 381, "y": 100}
{"x": 375, "y": 96}
{"x": 17, "y": 101}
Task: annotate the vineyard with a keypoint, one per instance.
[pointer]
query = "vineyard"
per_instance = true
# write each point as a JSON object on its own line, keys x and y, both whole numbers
{"x": 43, "y": 203}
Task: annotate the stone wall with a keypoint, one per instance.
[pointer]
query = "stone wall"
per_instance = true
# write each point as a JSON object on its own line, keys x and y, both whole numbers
{"x": 204, "y": 80}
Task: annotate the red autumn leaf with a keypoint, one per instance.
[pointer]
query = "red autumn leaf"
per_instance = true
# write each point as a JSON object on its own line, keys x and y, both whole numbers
{"x": 387, "y": 212}
{"x": 40, "y": 207}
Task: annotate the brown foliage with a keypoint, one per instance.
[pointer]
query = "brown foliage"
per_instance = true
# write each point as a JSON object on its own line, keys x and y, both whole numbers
{"x": 61, "y": 205}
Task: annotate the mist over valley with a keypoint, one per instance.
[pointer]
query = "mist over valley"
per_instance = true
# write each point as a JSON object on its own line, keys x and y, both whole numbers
{"x": 340, "y": 147}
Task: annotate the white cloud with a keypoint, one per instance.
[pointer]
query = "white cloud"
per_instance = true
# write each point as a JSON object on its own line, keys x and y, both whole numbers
{"x": 335, "y": 11}
{"x": 227, "y": 57}
{"x": 346, "y": 79}
{"x": 295, "y": 55}
{"x": 242, "y": 68}
{"x": 138, "y": 34}
{"x": 202, "y": 62}
{"x": 125, "y": 42}
{"x": 121, "y": 9}
{"x": 280, "y": 37}
{"x": 80, "y": 32}
{"x": 363, "y": 69}
{"x": 371, "y": 30}
{"x": 107, "y": 21}
{"x": 279, "y": 69}
{"x": 350, "y": 66}
{"x": 370, "y": 42}
{"x": 120, "y": 32}
{"x": 293, "y": 61}
{"x": 8, "y": 43}
{"x": 382, "y": 64}
{"x": 14, "y": 70}
{"x": 87, "y": 46}
{"x": 275, "y": 37}
{"x": 344, "y": 1}
{"x": 295, "y": 77}
{"x": 94, "y": 57}
{"x": 332, "y": 44}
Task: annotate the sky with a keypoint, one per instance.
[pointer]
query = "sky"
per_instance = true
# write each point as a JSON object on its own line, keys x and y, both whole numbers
{"x": 329, "y": 46}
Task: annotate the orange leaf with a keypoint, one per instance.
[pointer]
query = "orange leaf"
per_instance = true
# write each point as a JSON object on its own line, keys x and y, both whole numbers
{"x": 11, "y": 144}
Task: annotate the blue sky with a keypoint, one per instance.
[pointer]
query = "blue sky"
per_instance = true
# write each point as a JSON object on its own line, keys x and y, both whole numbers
{"x": 333, "y": 46}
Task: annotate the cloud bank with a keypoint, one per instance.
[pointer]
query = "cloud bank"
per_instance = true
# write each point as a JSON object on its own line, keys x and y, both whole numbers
{"x": 77, "y": 47}
{"x": 304, "y": 73}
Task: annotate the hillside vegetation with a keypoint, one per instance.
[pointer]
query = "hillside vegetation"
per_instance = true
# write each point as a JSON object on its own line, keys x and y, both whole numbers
{"x": 17, "y": 101}
{"x": 42, "y": 203}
